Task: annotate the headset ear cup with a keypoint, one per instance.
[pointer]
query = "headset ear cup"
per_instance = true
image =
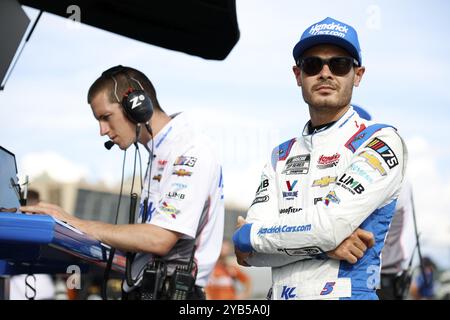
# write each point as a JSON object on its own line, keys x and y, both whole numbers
{"x": 138, "y": 106}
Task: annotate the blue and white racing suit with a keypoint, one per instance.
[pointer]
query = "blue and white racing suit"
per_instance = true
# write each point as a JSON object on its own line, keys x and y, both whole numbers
{"x": 315, "y": 191}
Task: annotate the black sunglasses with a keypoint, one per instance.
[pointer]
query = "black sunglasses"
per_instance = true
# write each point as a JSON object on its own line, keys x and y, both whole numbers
{"x": 339, "y": 66}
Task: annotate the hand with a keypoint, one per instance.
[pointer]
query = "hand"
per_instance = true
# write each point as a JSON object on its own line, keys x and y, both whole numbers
{"x": 240, "y": 222}
{"x": 59, "y": 213}
{"x": 354, "y": 247}
{"x": 241, "y": 256}
{"x": 49, "y": 209}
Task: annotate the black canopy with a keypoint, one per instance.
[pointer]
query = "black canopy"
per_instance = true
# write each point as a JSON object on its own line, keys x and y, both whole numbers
{"x": 205, "y": 28}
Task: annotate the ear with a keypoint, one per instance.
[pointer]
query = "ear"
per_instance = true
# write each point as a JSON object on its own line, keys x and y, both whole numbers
{"x": 298, "y": 75}
{"x": 358, "y": 76}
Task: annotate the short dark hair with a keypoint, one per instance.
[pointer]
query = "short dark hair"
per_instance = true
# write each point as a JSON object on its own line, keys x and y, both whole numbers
{"x": 33, "y": 197}
{"x": 105, "y": 82}
{"x": 428, "y": 262}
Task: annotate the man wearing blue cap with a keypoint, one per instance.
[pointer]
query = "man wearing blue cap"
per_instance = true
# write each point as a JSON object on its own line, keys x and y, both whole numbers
{"x": 319, "y": 190}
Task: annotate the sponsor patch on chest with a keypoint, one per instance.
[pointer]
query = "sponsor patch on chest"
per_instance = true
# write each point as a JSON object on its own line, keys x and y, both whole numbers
{"x": 325, "y": 162}
{"x": 297, "y": 165}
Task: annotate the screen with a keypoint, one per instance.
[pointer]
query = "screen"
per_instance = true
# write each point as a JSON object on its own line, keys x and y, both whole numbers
{"x": 9, "y": 192}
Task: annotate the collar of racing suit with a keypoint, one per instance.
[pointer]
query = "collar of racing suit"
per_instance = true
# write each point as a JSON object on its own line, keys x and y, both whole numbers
{"x": 312, "y": 129}
{"x": 178, "y": 121}
{"x": 321, "y": 135}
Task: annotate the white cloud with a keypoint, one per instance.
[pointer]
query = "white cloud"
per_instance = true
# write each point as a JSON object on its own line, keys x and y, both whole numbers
{"x": 431, "y": 187}
{"x": 55, "y": 165}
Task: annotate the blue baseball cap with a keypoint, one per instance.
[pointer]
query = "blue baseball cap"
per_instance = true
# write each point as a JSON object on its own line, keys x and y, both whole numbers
{"x": 329, "y": 31}
{"x": 361, "y": 112}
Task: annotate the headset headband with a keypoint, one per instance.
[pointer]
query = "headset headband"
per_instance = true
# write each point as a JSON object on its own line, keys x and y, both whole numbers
{"x": 112, "y": 72}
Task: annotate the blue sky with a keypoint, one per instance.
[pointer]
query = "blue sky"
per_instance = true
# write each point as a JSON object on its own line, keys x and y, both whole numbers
{"x": 247, "y": 103}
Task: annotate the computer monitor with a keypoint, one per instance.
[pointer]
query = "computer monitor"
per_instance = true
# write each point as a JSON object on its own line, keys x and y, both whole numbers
{"x": 9, "y": 190}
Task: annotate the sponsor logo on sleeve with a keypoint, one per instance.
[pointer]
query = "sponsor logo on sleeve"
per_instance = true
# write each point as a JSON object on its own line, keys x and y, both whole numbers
{"x": 360, "y": 172}
{"x": 177, "y": 187}
{"x": 350, "y": 184}
{"x": 384, "y": 151}
{"x": 324, "y": 181}
{"x": 263, "y": 186}
{"x": 284, "y": 229}
{"x": 150, "y": 210}
{"x": 331, "y": 197}
{"x": 176, "y": 195}
{"x": 297, "y": 165}
{"x": 185, "y": 161}
{"x": 260, "y": 200}
{"x": 161, "y": 165}
{"x": 325, "y": 162}
{"x": 169, "y": 209}
{"x": 373, "y": 162}
{"x": 303, "y": 252}
{"x": 290, "y": 194}
{"x": 182, "y": 173}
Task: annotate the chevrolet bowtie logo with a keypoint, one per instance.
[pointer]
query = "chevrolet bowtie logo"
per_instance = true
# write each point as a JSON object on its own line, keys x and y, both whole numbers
{"x": 324, "y": 181}
{"x": 374, "y": 162}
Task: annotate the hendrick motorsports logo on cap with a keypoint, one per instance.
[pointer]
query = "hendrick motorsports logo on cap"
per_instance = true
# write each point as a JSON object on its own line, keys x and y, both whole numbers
{"x": 333, "y": 29}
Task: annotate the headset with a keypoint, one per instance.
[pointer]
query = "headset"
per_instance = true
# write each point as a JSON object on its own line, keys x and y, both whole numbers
{"x": 135, "y": 101}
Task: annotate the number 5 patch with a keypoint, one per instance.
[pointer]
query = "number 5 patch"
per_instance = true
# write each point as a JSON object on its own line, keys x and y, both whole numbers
{"x": 384, "y": 151}
{"x": 329, "y": 286}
